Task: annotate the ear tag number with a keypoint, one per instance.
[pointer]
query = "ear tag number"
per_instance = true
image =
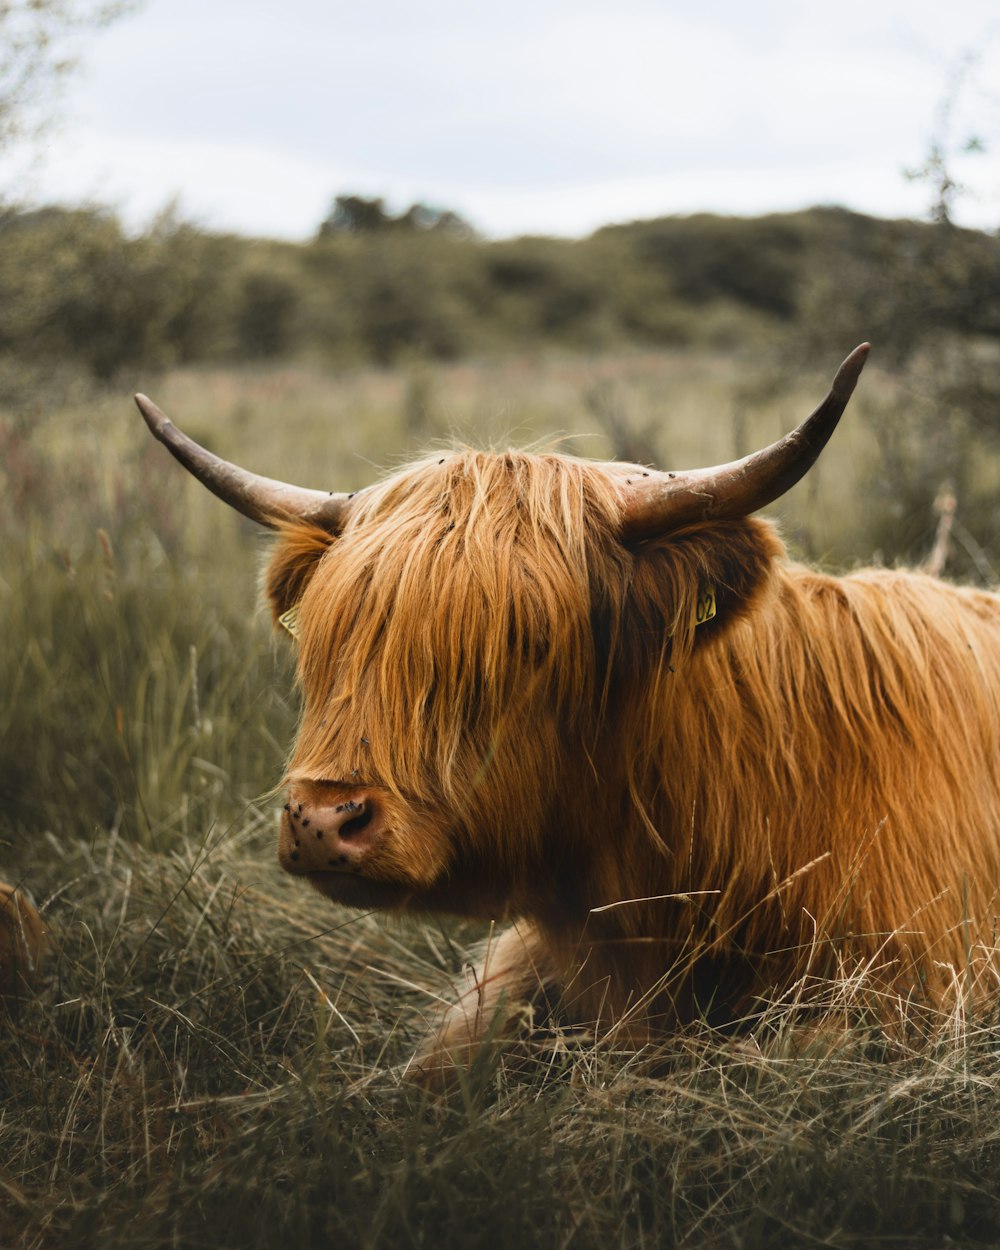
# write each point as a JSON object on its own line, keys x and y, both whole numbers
{"x": 290, "y": 620}
{"x": 704, "y": 608}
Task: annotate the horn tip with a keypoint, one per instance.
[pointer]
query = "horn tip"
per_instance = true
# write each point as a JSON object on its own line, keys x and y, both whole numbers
{"x": 151, "y": 414}
{"x": 849, "y": 372}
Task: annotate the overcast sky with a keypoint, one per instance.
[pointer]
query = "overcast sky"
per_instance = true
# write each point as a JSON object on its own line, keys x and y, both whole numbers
{"x": 552, "y": 116}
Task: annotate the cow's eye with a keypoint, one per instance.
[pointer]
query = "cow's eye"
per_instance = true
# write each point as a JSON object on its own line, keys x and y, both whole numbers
{"x": 531, "y": 647}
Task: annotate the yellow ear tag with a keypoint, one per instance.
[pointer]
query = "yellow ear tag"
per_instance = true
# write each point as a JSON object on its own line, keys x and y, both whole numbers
{"x": 704, "y": 607}
{"x": 290, "y": 620}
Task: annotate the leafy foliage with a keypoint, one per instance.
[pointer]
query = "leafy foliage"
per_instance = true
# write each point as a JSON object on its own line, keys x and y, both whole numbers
{"x": 354, "y": 214}
{"x": 74, "y": 286}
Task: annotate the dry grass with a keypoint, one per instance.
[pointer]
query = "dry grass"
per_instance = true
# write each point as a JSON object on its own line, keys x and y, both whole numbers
{"x": 214, "y": 1059}
{"x": 214, "y": 1056}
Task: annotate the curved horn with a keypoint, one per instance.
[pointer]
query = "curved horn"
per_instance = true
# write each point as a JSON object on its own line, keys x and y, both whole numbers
{"x": 262, "y": 499}
{"x": 663, "y": 501}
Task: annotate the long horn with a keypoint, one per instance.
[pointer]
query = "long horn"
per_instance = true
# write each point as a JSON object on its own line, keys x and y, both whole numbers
{"x": 262, "y": 499}
{"x": 657, "y": 502}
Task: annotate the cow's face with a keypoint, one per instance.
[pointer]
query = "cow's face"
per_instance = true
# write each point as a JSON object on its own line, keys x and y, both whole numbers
{"x": 452, "y": 641}
{"x": 480, "y": 656}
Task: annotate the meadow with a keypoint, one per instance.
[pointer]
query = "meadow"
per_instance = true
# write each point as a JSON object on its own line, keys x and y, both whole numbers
{"x": 213, "y": 1056}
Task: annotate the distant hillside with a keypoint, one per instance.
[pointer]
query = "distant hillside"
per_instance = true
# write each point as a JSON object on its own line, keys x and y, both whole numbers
{"x": 77, "y": 290}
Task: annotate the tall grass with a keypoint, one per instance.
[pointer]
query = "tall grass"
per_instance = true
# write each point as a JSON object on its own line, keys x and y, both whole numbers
{"x": 216, "y": 1057}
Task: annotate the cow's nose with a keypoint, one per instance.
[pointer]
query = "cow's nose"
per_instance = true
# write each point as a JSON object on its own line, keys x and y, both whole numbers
{"x": 328, "y": 834}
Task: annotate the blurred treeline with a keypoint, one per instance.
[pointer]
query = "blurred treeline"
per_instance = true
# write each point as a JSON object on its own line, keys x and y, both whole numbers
{"x": 88, "y": 308}
{"x": 78, "y": 291}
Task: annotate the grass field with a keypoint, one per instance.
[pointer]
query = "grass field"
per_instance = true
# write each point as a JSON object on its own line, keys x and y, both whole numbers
{"x": 213, "y": 1056}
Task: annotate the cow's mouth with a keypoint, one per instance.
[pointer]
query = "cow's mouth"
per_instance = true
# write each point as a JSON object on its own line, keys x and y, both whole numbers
{"x": 354, "y": 890}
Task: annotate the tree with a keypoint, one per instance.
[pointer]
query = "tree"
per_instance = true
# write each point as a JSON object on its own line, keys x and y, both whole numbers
{"x": 37, "y": 50}
{"x": 930, "y": 302}
{"x": 952, "y": 138}
{"x": 355, "y": 214}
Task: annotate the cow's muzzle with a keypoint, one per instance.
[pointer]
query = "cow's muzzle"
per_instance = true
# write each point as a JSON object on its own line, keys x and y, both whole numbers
{"x": 324, "y": 831}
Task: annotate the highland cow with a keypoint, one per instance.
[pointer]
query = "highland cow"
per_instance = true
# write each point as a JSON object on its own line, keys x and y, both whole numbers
{"x": 598, "y": 702}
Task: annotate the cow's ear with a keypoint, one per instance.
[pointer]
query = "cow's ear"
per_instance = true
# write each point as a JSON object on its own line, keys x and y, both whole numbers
{"x": 708, "y": 576}
{"x": 737, "y": 559}
{"x": 299, "y": 549}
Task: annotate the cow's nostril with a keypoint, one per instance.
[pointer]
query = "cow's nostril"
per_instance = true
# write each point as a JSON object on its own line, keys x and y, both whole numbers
{"x": 357, "y": 823}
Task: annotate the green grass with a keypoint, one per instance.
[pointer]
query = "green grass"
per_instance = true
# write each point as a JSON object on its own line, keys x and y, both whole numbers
{"x": 215, "y": 1056}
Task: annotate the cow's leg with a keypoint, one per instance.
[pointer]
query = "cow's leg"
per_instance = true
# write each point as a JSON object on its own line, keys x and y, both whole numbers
{"x": 514, "y": 970}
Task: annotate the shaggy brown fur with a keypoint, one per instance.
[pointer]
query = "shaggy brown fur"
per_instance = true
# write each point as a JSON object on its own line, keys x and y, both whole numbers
{"x": 22, "y": 941}
{"x": 679, "y": 819}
